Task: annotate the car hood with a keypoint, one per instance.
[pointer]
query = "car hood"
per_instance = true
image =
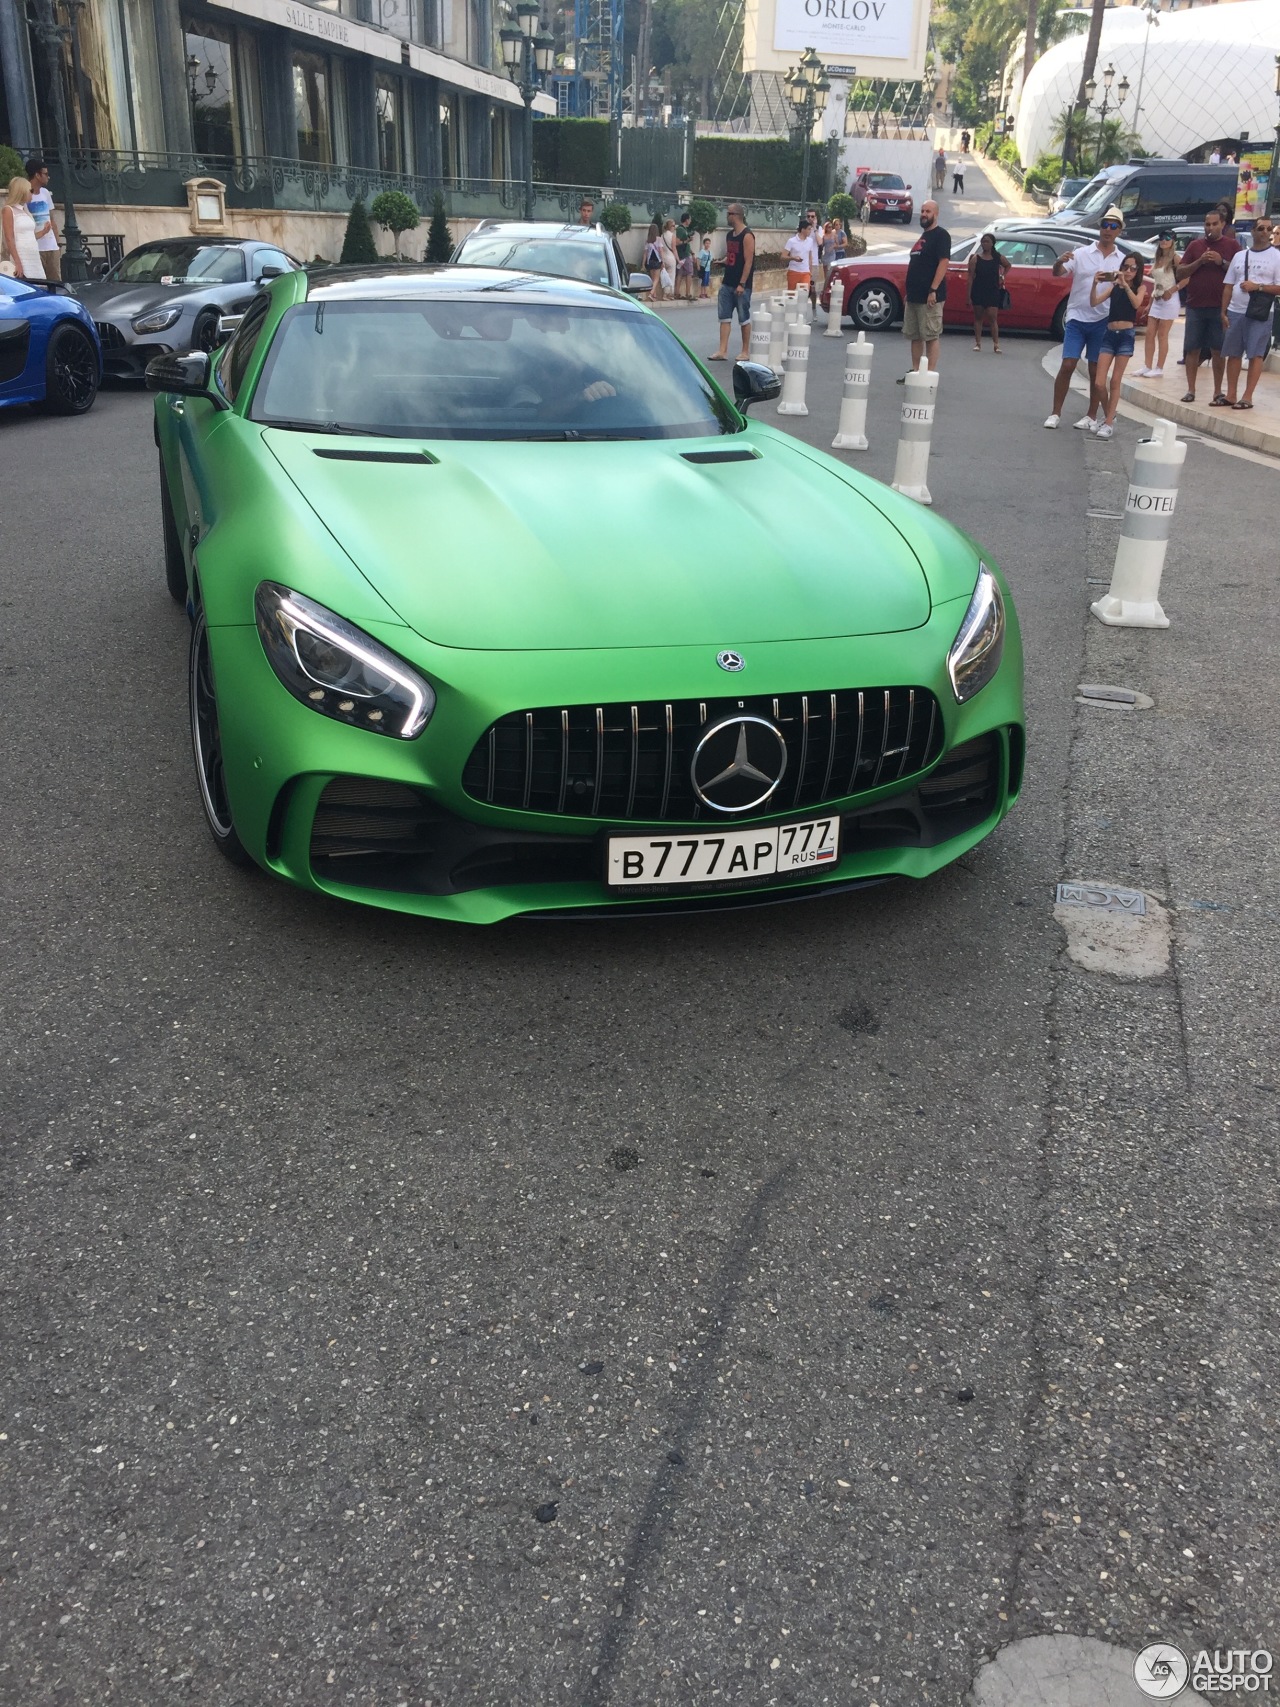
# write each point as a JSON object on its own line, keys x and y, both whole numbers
{"x": 521, "y": 546}
{"x": 132, "y": 300}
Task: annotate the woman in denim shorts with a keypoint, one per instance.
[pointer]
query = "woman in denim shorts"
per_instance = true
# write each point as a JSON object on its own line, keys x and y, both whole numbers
{"x": 1128, "y": 294}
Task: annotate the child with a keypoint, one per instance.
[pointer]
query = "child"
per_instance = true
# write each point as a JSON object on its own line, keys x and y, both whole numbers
{"x": 704, "y": 263}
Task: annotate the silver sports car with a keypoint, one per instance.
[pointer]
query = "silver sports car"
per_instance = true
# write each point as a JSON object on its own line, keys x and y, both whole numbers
{"x": 169, "y": 296}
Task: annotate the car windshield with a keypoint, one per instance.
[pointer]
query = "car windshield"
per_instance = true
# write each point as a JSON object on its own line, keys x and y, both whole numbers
{"x": 566, "y": 258}
{"x": 180, "y": 263}
{"x": 485, "y": 369}
{"x": 886, "y": 181}
{"x": 1097, "y": 195}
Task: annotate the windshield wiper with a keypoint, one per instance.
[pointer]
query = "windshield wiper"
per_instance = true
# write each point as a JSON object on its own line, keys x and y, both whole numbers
{"x": 325, "y": 427}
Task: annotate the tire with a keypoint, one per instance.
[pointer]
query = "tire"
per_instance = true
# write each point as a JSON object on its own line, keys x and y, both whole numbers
{"x": 1058, "y": 325}
{"x": 906, "y": 219}
{"x": 875, "y": 306}
{"x": 72, "y": 371}
{"x": 204, "y": 335}
{"x": 175, "y": 570}
{"x": 206, "y": 747}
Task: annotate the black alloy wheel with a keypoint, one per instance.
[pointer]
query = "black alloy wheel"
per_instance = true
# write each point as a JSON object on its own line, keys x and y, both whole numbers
{"x": 1058, "y": 325}
{"x": 175, "y": 570}
{"x": 206, "y": 744}
{"x": 71, "y": 371}
{"x": 205, "y": 335}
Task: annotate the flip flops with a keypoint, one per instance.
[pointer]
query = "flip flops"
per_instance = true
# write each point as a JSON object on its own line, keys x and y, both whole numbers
{"x": 1242, "y": 405}
{"x": 1220, "y": 402}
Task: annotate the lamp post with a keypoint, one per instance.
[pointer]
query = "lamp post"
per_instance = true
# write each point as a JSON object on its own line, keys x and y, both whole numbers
{"x": 526, "y": 53}
{"x": 51, "y": 35}
{"x": 1152, "y": 9}
{"x": 807, "y": 88}
{"x": 1090, "y": 90}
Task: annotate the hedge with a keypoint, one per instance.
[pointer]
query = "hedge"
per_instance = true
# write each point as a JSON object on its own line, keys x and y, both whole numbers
{"x": 767, "y": 170}
{"x": 571, "y": 151}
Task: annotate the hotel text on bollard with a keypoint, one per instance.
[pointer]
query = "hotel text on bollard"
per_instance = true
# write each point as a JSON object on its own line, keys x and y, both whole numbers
{"x": 1134, "y": 598}
{"x": 911, "y": 472}
{"x": 835, "y": 314}
{"x": 795, "y": 370}
{"x": 851, "y": 433}
{"x": 761, "y": 326}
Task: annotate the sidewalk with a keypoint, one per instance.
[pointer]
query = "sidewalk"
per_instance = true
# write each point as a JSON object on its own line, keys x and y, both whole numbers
{"x": 1256, "y": 429}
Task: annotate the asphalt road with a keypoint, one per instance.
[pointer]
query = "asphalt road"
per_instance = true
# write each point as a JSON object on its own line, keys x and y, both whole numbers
{"x": 788, "y": 1306}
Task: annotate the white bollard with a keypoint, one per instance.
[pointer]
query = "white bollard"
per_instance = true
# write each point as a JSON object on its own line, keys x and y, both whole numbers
{"x": 1134, "y": 598}
{"x": 761, "y": 324}
{"x": 835, "y": 314}
{"x": 795, "y": 370}
{"x": 777, "y": 333}
{"x": 911, "y": 472}
{"x": 851, "y": 433}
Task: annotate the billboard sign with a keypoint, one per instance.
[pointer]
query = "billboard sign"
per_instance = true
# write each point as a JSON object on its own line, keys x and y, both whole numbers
{"x": 877, "y": 38}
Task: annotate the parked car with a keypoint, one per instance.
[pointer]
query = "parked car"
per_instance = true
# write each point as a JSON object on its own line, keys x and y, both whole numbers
{"x": 49, "y": 350}
{"x": 421, "y": 679}
{"x": 169, "y": 295}
{"x": 1151, "y": 194}
{"x": 585, "y": 252}
{"x": 1063, "y": 193}
{"x": 882, "y": 195}
{"x": 875, "y": 285}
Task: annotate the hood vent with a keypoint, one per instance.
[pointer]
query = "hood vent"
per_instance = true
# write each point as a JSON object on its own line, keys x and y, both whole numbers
{"x": 720, "y": 455}
{"x": 419, "y": 456}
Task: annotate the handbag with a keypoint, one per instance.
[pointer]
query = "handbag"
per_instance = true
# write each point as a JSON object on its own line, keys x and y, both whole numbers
{"x": 1006, "y": 301}
{"x": 1259, "y": 305}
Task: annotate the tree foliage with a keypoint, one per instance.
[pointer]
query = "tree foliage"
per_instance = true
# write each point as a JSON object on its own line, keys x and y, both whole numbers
{"x": 395, "y": 212}
{"x": 702, "y": 215}
{"x": 358, "y": 248}
{"x": 11, "y": 164}
{"x": 616, "y": 218}
{"x": 439, "y": 237}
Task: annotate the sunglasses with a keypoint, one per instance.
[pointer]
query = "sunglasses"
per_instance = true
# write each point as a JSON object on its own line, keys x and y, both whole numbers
{"x": 1111, "y": 225}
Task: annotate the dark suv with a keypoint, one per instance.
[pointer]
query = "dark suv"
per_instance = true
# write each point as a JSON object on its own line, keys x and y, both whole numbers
{"x": 1151, "y": 194}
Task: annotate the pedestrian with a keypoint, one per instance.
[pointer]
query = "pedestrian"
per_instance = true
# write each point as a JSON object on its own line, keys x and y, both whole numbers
{"x": 20, "y": 246}
{"x": 926, "y": 288}
{"x": 987, "y": 269}
{"x": 841, "y": 239}
{"x": 1166, "y": 306}
{"x": 799, "y": 253}
{"x": 1125, "y": 295}
{"x": 1202, "y": 269}
{"x": 684, "y": 258}
{"x": 939, "y": 169}
{"x": 1249, "y": 293}
{"x": 667, "y": 250}
{"x": 586, "y": 211}
{"x": 1085, "y": 324}
{"x": 1215, "y": 158}
{"x": 735, "y": 287}
{"x": 957, "y": 178}
{"x": 704, "y": 263}
{"x": 964, "y": 141}
{"x": 815, "y": 258}
{"x": 41, "y": 206}
{"x": 1232, "y": 159}
{"x": 653, "y": 261}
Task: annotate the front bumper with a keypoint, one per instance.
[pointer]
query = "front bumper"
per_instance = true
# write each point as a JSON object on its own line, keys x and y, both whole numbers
{"x": 386, "y": 823}
{"x": 125, "y": 355}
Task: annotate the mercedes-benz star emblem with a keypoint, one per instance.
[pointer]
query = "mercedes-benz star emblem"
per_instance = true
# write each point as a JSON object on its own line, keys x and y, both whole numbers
{"x": 731, "y": 661}
{"x": 738, "y": 763}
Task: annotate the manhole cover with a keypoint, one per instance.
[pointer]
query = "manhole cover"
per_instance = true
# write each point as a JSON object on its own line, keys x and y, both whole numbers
{"x": 1113, "y": 698}
{"x": 1103, "y": 898}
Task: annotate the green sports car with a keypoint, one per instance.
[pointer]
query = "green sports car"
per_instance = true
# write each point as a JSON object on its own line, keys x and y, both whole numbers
{"x": 499, "y": 604}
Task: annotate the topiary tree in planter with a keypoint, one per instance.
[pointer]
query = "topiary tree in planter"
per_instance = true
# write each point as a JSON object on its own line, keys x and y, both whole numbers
{"x": 616, "y": 218}
{"x": 439, "y": 237}
{"x": 702, "y": 215}
{"x": 357, "y": 246}
{"x": 395, "y": 212}
{"x": 843, "y": 207}
{"x": 11, "y": 164}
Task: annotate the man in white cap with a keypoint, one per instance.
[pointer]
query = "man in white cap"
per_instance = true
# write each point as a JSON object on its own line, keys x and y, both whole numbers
{"x": 1086, "y": 321}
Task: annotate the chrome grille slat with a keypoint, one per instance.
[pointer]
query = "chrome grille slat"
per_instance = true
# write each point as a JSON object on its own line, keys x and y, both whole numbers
{"x": 629, "y": 762}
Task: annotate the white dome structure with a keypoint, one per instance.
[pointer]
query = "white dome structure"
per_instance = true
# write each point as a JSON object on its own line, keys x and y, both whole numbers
{"x": 1210, "y": 73}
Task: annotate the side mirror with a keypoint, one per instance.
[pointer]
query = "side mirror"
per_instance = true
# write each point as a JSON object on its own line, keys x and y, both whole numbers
{"x": 187, "y": 375}
{"x": 271, "y": 273}
{"x": 638, "y": 284}
{"x": 753, "y": 382}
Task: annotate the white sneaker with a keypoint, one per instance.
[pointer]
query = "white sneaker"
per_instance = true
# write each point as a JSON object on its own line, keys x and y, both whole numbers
{"x": 1145, "y": 373}
{"x": 1156, "y": 373}
{"x": 1104, "y": 432}
{"x": 1086, "y": 424}
{"x": 1053, "y": 420}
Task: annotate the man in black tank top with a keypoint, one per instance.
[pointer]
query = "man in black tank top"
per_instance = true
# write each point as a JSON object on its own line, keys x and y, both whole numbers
{"x": 735, "y": 288}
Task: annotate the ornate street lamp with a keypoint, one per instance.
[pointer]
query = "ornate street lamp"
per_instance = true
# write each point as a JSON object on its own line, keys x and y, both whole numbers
{"x": 51, "y": 35}
{"x": 1104, "y": 107}
{"x": 807, "y": 87}
{"x": 527, "y": 54}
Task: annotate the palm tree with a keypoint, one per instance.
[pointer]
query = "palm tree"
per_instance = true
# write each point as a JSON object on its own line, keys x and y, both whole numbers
{"x": 1090, "y": 64}
{"x": 1029, "y": 46}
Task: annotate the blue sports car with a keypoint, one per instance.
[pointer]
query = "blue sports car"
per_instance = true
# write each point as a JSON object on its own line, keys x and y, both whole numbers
{"x": 49, "y": 349}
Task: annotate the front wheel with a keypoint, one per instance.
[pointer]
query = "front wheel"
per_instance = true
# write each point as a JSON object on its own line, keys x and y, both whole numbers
{"x": 1058, "y": 325}
{"x": 71, "y": 371}
{"x": 205, "y": 335}
{"x": 876, "y": 305}
{"x": 206, "y": 745}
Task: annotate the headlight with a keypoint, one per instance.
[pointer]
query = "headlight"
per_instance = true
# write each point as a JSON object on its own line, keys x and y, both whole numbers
{"x": 157, "y": 320}
{"x": 339, "y": 670}
{"x": 978, "y": 648}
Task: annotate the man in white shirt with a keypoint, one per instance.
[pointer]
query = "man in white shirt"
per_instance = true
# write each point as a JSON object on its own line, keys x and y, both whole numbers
{"x": 1250, "y": 273}
{"x": 1086, "y": 322}
{"x": 1215, "y": 158}
{"x": 41, "y": 209}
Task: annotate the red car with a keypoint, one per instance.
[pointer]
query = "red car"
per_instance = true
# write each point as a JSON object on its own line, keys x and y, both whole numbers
{"x": 882, "y": 194}
{"x": 875, "y": 285}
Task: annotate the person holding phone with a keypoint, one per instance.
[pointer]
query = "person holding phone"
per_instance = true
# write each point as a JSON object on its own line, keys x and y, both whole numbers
{"x": 1086, "y": 320}
{"x": 1125, "y": 295}
{"x": 1165, "y": 308}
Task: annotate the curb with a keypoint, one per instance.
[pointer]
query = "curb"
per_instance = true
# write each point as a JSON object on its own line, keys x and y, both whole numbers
{"x": 1213, "y": 423}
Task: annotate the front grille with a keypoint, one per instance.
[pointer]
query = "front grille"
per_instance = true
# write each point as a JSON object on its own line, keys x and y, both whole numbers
{"x": 632, "y": 762}
{"x": 112, "y": 337}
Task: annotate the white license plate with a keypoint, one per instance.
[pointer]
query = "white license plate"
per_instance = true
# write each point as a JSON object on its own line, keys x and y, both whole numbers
{"x": 722, "y": 856}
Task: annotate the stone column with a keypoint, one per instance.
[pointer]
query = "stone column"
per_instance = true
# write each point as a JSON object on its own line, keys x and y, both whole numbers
{"x": 171, "y": 56}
